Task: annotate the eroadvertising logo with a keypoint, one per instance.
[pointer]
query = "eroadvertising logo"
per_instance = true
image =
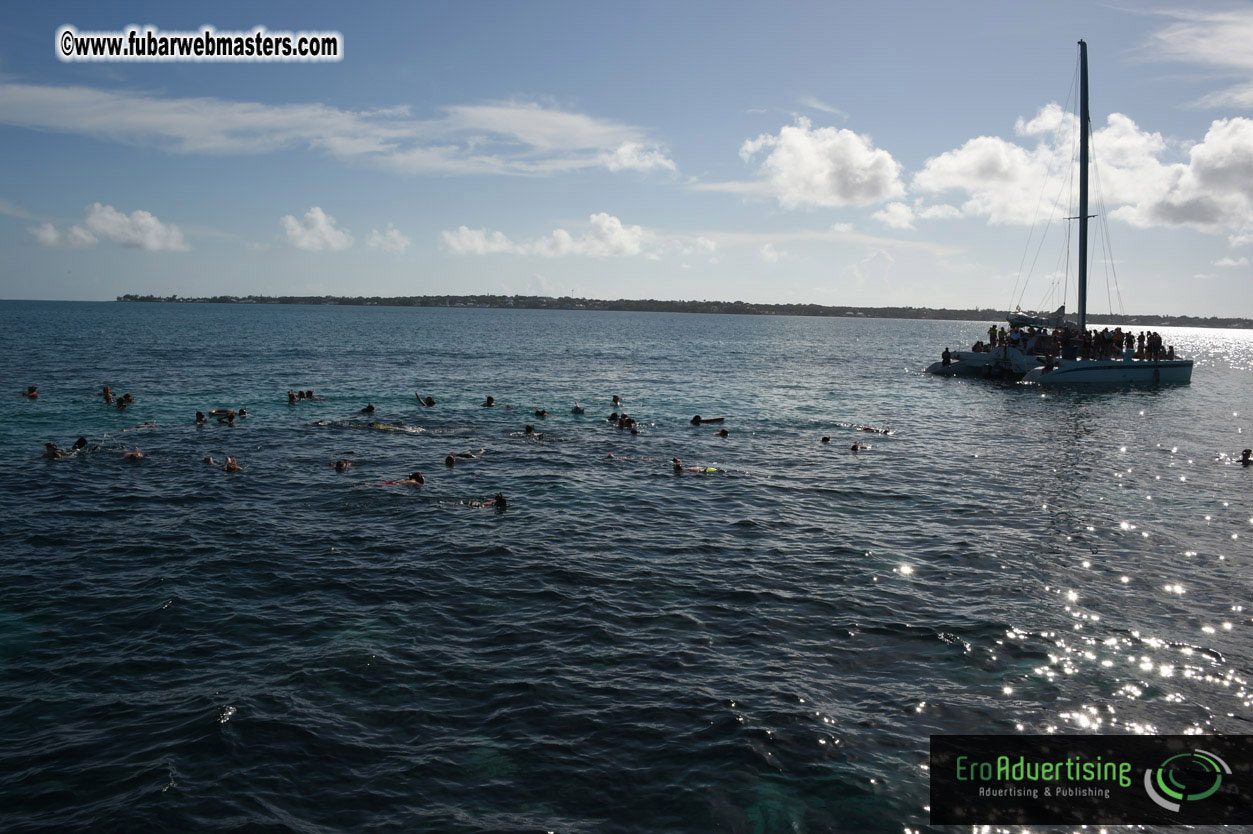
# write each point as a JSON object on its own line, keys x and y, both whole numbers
{"x": 1056, "y": 779}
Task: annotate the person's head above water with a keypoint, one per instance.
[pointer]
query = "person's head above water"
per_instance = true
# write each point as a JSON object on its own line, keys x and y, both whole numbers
{"x": 696, "y": 420}
{"x": 501, "y": 503}
{"x": 826, "y": 439}
{"x": 1246, "y": 454}
{"x": 723, "y": 432}
{"x": 417, "y": 478}
{"x": 490, "y": 401}
{"x": 450, "y": 461}
{"x": 81, "y": 443}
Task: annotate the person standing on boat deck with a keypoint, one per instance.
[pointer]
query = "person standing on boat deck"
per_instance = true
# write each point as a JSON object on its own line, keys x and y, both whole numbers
{"x": 1246, "y": 457}
{"x": 992, "y": 336}
{"x": 946, "y": 358}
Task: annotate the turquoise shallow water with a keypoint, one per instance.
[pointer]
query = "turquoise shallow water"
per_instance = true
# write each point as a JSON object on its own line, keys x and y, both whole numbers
{"x": 764, "y": 648}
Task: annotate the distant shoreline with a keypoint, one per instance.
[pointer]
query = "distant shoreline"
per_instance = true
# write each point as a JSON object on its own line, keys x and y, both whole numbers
{"x": 540, "y": 302}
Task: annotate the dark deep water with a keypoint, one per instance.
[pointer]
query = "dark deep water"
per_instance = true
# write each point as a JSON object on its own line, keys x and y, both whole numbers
{"x": 764, "y": 648}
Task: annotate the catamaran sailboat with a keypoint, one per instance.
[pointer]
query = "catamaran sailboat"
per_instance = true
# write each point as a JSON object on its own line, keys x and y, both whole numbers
{"x": 1016, "y": 361}
{"x": 1076, "y": 370}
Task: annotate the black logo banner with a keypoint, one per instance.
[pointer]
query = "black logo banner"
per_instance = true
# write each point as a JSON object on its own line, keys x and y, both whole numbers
{"x": 1078, "y": 780}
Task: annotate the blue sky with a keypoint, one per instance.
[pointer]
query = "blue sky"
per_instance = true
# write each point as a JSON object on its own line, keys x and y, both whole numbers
{"x": 837, "y": 153}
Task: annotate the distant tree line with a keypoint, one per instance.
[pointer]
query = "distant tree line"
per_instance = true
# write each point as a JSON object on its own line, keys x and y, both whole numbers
{"x": 649, "y": 305}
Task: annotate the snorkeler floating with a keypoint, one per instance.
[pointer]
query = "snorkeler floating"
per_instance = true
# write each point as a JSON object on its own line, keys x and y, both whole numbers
{"x": 679, "y": 468}
{"x": 498, "y": 502}
{"x": 30, "y": 393}
{"x": 699, "y": 420}
{"x": 453, "y": 457}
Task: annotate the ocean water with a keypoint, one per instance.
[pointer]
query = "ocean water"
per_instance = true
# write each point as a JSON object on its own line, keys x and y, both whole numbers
{"x": 761, "y": 648}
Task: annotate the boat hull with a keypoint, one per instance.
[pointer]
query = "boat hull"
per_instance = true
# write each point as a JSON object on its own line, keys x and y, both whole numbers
{"x": 1113, "y": 372}
{"x": 998, "y": 363}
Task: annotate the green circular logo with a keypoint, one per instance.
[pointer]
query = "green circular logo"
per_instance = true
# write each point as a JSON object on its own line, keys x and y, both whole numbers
{"x": 1186, "y": 777}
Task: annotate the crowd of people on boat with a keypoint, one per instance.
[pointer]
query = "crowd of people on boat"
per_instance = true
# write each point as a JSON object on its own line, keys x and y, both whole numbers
{"x": 1094, "y": 344}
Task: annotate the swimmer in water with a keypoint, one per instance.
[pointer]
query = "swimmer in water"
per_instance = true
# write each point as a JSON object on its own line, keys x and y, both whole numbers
{"x": 106, "y": 392}
{"x": 578, "y": 409}
{"x": 497, "y": 502}
{"x": 427, "y": 401}
{"x": 30, "y": 393}
{"x": 1246, "y": 457}
{"x": 617, "y": 401}
{"x": 530, "y": 432}
{"x": 51, "y": 452}
{"x": 453, "y": 457}
{"x": 231, "y": 466}
{"x": 698, "y": 420}
{"x": 856, "y": 447}
{"x": 134, "y": 455}
{"x": 243, "y": 413}
{"x": 291, "y": 397}
{"x": 129, "y": 398}
{"x": 343, "y": 465}
{"x": 209, "y": 460}
{"x": 490, "y": 402}
{"x": 539, "y": 412}
{"x": 825, "y": 439}
{"x": 369, "y": 409}
{"x": 201, "y": 419}
{"x": 79, "y": 445}
{"x": 722, "y": 432}
{"x": 121, "y": 404}
{"x": 613, "y": 418}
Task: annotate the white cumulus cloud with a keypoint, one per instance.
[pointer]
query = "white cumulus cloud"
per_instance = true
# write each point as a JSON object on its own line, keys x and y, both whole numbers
{"x": 138, "y": 230}
{"x": 806, "y": 167}
{"x": 605, "y": 237}
{"x": 635, "y": 156}
{"x": 391, "y": 240}
{"x": 316, "y": 232}
{"x": 1004, "y": 182}
{"x": 895, "y": 216}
